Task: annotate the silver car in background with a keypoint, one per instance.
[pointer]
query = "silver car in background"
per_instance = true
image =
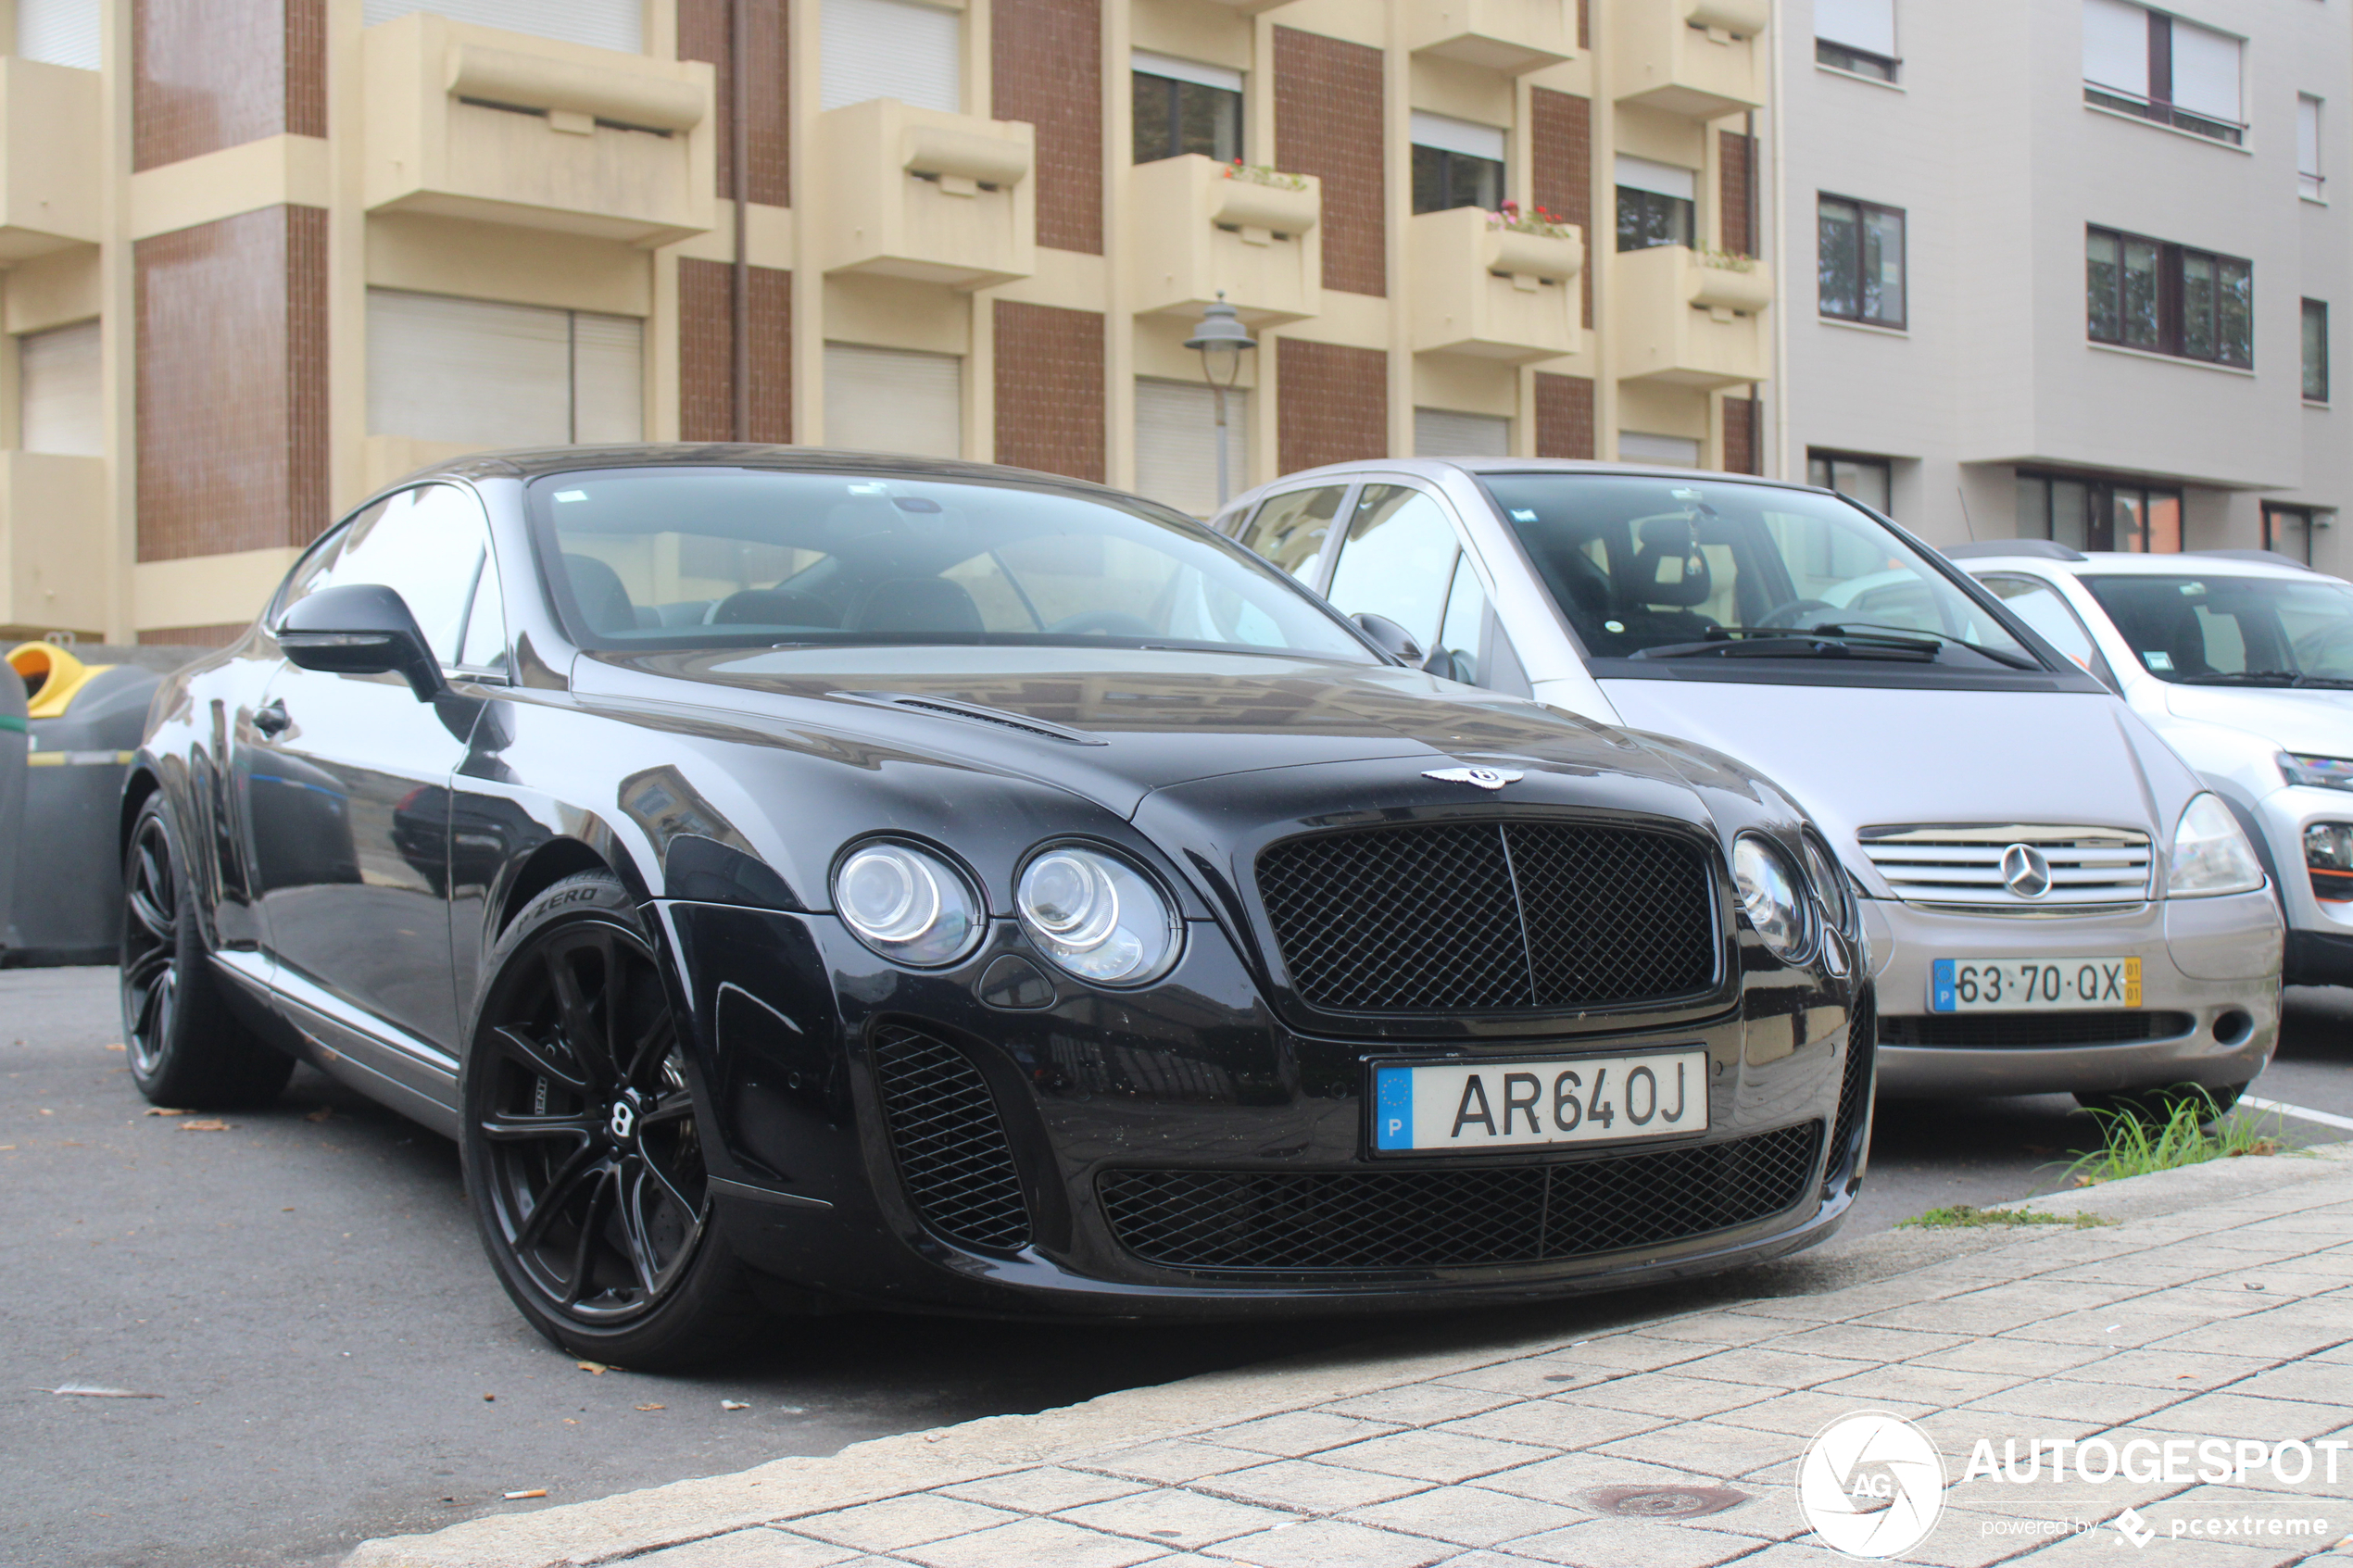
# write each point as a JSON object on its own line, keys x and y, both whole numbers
{"x": 2055, "y": 901}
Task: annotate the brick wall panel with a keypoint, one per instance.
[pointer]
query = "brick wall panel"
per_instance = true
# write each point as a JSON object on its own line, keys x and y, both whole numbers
{"x": 1740, "y": 447}
{"x": 231, "y": 391}
{"x": 705, "y": 34}
{"x": 1328, "y": 122}
{"x": 1046, "y": 65}
{"x": 196, "y": 636}
{"x": 706, "y": 351}
{"x": 209, "y": 74}
{"x": 1050, "y": 389}
{"x": 1733, "y": 162}
{"x": 1560, "y": 128}
{"x": 1334, "y": 404}
{"x": 1564, "y": 415}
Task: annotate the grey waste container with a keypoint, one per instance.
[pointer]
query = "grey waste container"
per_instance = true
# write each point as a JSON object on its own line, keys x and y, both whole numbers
{"x": 12, "y": 739}
{"x": 88, "y": 706}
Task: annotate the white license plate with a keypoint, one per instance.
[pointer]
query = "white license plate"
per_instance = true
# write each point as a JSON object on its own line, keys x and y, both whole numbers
{"x": 1490, "y": 1105}
{"x": 2033, "y": 985}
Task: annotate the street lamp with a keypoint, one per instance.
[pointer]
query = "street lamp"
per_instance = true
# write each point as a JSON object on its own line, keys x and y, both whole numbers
{"x": 1221, "y": 337}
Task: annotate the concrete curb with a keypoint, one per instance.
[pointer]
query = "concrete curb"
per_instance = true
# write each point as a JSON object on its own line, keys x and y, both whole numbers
{"x": 614, "y": 1529}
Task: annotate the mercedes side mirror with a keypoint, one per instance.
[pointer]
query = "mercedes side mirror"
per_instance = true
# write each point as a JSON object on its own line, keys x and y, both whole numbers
{"x": 1389, "y": 638}
{"x": 360, "y": 629}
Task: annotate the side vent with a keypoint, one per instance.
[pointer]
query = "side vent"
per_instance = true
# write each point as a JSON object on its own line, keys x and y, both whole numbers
{"x": 951, "y": 1142}
{"x": 1854, "y": 1094}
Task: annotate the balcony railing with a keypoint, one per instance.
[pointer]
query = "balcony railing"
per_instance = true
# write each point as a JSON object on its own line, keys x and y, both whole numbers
{"x": 2101, "y": 96}
{"x": 928, "y": 195}
{"x": 1495, "y": 293}
{"x": 1690, "y": 318}
{"x": 50, "y": 178}
{"x": 1202, "y": 227}
{"x": 1698, "y": 58}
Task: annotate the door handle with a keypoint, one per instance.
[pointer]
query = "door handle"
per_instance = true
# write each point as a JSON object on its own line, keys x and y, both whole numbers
{"x": 272, "y": 719}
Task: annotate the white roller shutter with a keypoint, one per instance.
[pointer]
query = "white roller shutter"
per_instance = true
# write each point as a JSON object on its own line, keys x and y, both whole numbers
{"x": 1867, "y": 25}
{"x": 58, "y": 32}
{"x": 2116, "y": 45}
{"x": 1665, "y": 451}
{"x": 1449, "y": 134}
{"x": 1441, "y": 432}
{"x": 1659, "y": 179}
{"x": 61, "y": 405}
{"x": 606, "y": 24}
{"x": 892, "y": 400}
{"x": 2205, "y": 71}
{"x": 482, "y": 374}
{"x": 608, "y": 377}
{"x": 890, "y": 49}
{"x": 1177, "y": 444}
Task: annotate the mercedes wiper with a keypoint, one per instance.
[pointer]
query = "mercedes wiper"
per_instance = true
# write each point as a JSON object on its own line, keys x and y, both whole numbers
{"x": 2014, "y": 661}
{"x": 1798, "y": 645}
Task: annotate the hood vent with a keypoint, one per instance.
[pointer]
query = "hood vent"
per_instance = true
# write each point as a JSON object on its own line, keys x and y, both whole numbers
{"x": 948, "y": 707}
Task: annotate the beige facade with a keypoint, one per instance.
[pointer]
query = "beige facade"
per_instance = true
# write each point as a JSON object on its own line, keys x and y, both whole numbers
{"x": 299, "y": 247}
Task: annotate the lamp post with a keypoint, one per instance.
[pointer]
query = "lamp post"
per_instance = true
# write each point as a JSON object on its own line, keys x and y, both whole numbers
{"x": 1221, "y": 337}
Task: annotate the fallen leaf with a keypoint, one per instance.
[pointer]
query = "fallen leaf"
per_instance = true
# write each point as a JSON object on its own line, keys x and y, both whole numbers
{"x": 92, "y": 1391}
{"x": 2244, "y": 1285}
{"x": 732, "y": 1405}
{"x": 489, "y": 1398}
{"x": 164, "y": 1111}
{"x": 653, "y": 1407}
{"x": 324, "y": 1113}
{"x": 597, "y": 1368}
{"x": 7, "y": 1145}
{"x": 205, "y": 1125}
{"x": 48, "y": 1113}
{"x": 114, "y": 1046}
{"x": 534, "y": 1492}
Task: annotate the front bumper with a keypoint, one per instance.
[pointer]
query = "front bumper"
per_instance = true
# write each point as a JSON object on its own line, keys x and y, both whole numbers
{"x": 2319, "y": 930}
{"x": 817, "y": 1185}
{"x": 2214, "y": 963}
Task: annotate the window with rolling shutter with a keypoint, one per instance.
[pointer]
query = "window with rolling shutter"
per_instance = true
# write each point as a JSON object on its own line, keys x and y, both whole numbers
{"x": 890, "y": 49}
{"x": 1177, "y": 444}
{"x": 1442, "y": 433}
{"x": 1856, "y": 35}
{"x": 605, "y": 24}
{"x": 482, "y": 374}
{"x": 58, "y": 32}
{"x": 60, "y": 392}
{"x": 2155, "y": 65}
{"x": 894, "y": 400}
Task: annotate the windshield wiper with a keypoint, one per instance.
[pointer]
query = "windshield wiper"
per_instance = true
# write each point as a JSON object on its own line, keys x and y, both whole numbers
{"x": 1800, "y": 644}
{"x": 2263, "y": 678}
{"x": 2014, "y": 660}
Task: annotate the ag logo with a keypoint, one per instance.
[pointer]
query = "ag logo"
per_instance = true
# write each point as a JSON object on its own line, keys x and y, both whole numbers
{"x": 1871, "y": 1485}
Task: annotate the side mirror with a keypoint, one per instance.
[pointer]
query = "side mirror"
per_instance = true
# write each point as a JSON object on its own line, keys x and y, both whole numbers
{"x": 360, "y": 629}
{"x": 1389, "y": 638}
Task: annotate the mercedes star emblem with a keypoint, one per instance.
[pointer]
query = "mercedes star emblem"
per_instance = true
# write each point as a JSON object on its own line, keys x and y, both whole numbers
{"x": 1484, "y": 778}
{"x": 2024, "y": 871}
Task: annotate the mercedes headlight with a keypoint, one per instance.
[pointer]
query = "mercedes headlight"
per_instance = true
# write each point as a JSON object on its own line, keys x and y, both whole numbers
{"x": 2210, "y": 855}
{"x": 2319, "y": 772}
{"x": 1097, "y": 916}
{"x": 1770, "y": 896}
{"x": 907, "y": 904}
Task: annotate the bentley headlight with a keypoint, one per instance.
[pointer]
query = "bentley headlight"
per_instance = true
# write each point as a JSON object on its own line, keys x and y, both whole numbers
{"x": 1097, "y": 916}
{"x": 1768, "y": 890}
{"x": 2210, "y": 855}
{"x": 907, "y": 905}
{"x": 1830, "y": 883}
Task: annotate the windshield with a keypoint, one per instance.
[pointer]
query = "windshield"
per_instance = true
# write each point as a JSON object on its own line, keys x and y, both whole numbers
{"x": 1682, "y": 568}
{"x": 702, "y": 558}
{"x": 2238, "y": 631}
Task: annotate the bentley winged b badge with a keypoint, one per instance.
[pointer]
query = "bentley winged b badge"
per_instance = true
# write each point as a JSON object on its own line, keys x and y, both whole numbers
{"x": 1485, "y": 778}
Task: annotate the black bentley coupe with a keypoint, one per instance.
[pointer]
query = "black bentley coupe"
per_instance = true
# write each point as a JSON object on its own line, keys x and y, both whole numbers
{"x": 799, "y": 877}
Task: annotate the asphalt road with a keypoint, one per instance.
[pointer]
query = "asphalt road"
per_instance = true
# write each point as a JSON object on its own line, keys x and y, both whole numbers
{"x": 303, "y": 1292}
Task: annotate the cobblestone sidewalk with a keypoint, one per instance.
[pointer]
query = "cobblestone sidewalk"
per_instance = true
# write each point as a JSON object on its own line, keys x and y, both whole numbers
{"x": 2226, "y": 1319}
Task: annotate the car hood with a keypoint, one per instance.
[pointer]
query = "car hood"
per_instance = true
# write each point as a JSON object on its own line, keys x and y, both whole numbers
{"x": 1860, "y": 757}
{"x": 1116, "y": 724}
{"x": 2315, "y": 723}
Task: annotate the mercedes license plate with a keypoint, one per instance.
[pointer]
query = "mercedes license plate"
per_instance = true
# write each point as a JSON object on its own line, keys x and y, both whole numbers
{"x": 2033, "y": 985}
{"x": 1478, "y": 1106}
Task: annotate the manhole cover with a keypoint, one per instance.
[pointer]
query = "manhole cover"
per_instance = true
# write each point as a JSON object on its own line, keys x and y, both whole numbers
{"x": 1664, "y": 1502}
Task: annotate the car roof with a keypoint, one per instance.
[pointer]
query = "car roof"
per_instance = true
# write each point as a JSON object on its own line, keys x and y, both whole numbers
{"x": 2134, "y": 563}
{"x": 536, "y": 462}
{"x": 1437, "y": 468}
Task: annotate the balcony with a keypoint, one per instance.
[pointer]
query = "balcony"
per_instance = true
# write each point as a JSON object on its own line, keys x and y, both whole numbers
{"x": 1513, "y": 36}
{"x": 49, "y": 169}
{"x": 466, "y": 122}
{"x": 1198, "y": 229}
{"x": 921, "y": 194}
{"x": 52, "y": 518}
{"x": 1701, "y": 58}
{"x": 1495, "y": 293}
{"x": 1690, "y": 321}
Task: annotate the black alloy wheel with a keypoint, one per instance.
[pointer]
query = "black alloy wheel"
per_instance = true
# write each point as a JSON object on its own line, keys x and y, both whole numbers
{"x": 583, "y": 1152}
{"x": 187, "y": 1051}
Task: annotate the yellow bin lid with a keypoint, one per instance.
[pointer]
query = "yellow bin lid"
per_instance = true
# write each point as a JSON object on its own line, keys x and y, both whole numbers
{"x": 52, "y": 677}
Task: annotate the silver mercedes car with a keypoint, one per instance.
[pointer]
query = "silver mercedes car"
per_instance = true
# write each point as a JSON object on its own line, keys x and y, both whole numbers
{"x": 2054, "y": 899}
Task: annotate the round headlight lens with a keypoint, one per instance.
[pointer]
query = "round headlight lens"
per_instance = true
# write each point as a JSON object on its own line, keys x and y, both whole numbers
{"x": 1768, "y": 890}
{"x": 907, "y": 905}
{"x": 1097, "y": 916}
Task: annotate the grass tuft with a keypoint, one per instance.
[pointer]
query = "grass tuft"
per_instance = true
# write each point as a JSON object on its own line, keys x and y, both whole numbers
{"x": 2137, "y": 1146}
{"x": 1969, "y": 1214}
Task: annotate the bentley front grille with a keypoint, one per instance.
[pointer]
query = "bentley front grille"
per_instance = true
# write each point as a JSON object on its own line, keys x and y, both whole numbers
{"x": 2054, "y": 866}
{"x": 1490, "y": 917}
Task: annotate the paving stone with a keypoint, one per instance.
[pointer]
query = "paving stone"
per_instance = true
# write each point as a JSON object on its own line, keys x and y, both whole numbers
{"x": 1973, "y": 1538}
{"x": 1308, "y": 1486}
{"x": 1034, "y": 1543}
{"x": 1556, "y": 1424}
{"x": 1416, "y": 1404}
{"x": 749, "y": 1548}
{"x": 1858, "y": 1342}
{"x": 1176, "y": 1517}
{"x": 1172, "y": 1461}
{"x": 1043, "y": 1490}
{"x": 2062, "y": 1400}
{"x": 2231, "y": 1414}
{"x": 2316, "y": 1382}
{"x": 1922, "y": 1384}
{"x": 1566, "y": 1479}
{"x": 1718, "y": 1328}
{"x": 1618, "y": 1543}
{"x": 1660, "y": 1393}
{"x": 1770, "y": 1515}
{"x": 1706, "y": 1447}
{"x": 1330, "y": 1543}
{"x": 1985, "y": 1312}
{"x": 2119, "y": 1327}
{"x": 1295, "y": 1433}
{"x": 898, "y": 1523}
{"x": 2015, "y": 1358}
{"x": 1626, "y": 1352}
{"x": 2168, "y": 1368}
{"x": 1470, "y": 1516}
{"x": 1532, "y": 1376}
{"x": 1435, "y": 1456}
{"x": 1768, "y": 1367}
{"x": 1803, "y": 1415}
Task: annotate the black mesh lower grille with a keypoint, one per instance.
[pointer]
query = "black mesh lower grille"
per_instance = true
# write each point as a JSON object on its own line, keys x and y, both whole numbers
{"x": 1854, "y": 1090}
{"x": 951, "y": 1142}
{"x": 2004, "y": 1029}
{"x": 1472, "y": 917}
{"x": 1358, "y": 1219}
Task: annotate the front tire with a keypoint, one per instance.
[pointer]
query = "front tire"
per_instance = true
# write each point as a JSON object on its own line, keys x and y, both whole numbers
{"x": 188, "y": 1049}
{"x": 583, "y": 1151}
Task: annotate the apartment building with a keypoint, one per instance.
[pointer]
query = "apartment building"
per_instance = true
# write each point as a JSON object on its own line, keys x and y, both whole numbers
{"x": 2072, "y": 268}
{"x": 264, "y": 256}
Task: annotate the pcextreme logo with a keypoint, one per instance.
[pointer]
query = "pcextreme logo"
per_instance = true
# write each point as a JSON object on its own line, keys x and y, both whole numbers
{"x": 1871, "y": 1485}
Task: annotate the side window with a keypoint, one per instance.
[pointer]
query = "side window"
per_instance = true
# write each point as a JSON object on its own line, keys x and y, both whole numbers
{"x": 1289, "y": 529}
{"x": 484, "y": 645}
{"x": 426, "y": 545}
{"x": 1397, "y": 561}
{"x": 1477, "y": 652}
{"x": 2039, "y": 605}
{"x": 312, "y": 571}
